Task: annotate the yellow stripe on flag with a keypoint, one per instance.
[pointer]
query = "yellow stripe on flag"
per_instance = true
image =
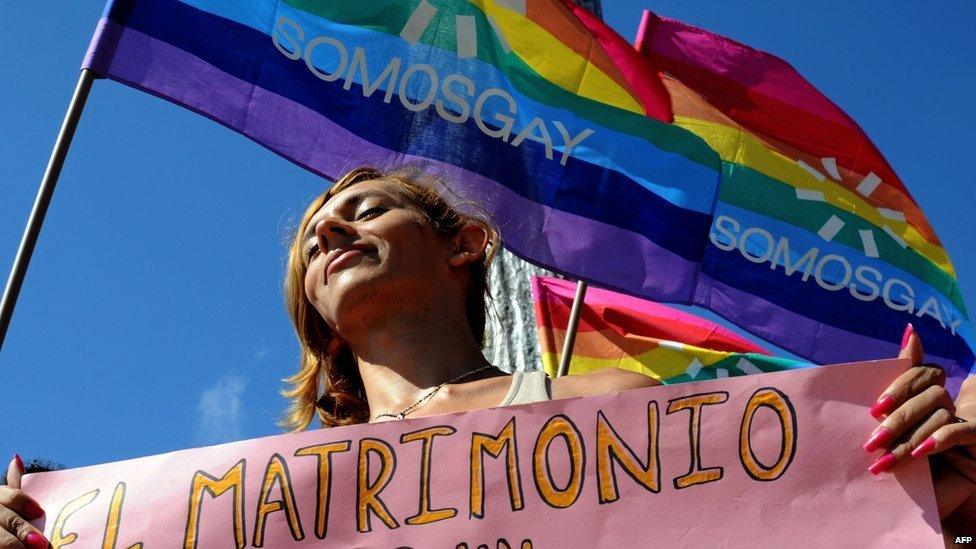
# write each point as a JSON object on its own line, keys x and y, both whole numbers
{"x": 740, "y": 147}
{"x": 555, "y": 61}
{"x": 661, "y": 363}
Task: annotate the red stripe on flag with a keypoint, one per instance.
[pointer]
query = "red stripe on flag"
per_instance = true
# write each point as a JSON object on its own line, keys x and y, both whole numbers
{"x": 643, "y": 78}
{"x": 762, "y": 92}
{"x": 630, "y": 316}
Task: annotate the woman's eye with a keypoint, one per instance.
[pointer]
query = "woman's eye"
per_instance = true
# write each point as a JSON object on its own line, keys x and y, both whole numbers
{"x": 371, "y": 211}
{"x": 314, "y": 249}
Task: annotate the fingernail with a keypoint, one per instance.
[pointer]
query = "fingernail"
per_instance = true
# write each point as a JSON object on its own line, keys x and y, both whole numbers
{"x": 884, "y": 463}
{"x": 36, "y": 541}
{"x": 884, "y": 405}
{"x": 909, "y": 330}
{"x": 880, "y": 437}
{"x": 19, "y": 462}
{"x": 924, "y": 448}
{"x": 33, "y": 510}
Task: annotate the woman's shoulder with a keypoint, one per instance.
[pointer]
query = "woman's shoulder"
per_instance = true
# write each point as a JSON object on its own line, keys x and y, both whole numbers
{"x": 604, "y": 380}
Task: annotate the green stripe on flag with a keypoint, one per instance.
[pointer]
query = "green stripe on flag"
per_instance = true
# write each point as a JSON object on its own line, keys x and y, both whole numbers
{"x": 751, "y": 190}
{"x": 390, "y": 18}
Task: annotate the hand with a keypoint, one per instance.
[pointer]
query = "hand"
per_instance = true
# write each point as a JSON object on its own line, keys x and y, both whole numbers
{"x": 919, "y": 418}
{"x": 16, "y": 508}
{"x": 955, "y": 471}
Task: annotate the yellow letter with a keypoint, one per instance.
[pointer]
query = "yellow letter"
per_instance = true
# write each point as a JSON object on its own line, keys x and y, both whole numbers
{"x": 114, "y": 517}
{"x": 694, "y": 403}
{"x": 276, "y": 471}
{"x": 233, "y": 479}
{"x": 58, "y": 537}
{"x": 610, "y": 448}
{"x": 780, "y": 404}
{"x": 426, "y": 437}
{"x": 483, "y": 443}
{"x": 324, "y": 453}
{"x": 559, "y": 426}
{"x": 367, "y": 495}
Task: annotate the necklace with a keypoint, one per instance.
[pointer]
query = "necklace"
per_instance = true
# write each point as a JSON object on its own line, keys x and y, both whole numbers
{"x": 403, "y": 413}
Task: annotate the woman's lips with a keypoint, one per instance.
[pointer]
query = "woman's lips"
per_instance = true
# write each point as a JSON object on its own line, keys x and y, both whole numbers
{"x": 341, "y": 260}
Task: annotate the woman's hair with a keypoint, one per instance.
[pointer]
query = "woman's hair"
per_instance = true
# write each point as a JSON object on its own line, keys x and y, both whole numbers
{"x": 35, "y": 466}
{"x": 326, "y": 365}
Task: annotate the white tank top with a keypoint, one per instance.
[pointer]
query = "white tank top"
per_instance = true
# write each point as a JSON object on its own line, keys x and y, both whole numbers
{"x": 527, "y": 387}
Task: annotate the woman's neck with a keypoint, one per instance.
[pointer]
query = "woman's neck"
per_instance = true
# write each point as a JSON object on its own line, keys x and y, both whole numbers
{"x": 402, "y": 356}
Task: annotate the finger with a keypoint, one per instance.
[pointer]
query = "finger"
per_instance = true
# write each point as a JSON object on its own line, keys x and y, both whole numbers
{"x": 15, "y": 470}
{"x": 955, "y": 433}
{"x": 913, "y": 444}
{"x": 28, "y": 535}
{"x": 10, "y": 541}
{"x": 907, "y": 385}
{"x": 966, "y": 399}
{"x": 19, "y": 502}
{"x": 911, "y": 346}
{"x": 909, "y": 415}
{"x": 901, "y": 451}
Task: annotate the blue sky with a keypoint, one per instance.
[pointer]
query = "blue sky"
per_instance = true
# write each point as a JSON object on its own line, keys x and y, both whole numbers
{"x": 152, "y": 319}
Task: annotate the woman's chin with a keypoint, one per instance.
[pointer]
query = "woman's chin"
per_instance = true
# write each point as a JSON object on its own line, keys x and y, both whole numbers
{"x": 366, "y": 290}
{"x": 353, "y": 288}
{"x": 353, "y": 278}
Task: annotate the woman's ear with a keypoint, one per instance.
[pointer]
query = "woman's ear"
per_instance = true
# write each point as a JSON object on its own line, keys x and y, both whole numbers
{"x": 468, "y": 245}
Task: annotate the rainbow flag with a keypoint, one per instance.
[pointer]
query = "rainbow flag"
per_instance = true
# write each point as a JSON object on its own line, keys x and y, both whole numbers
{"x": 815, "y": 245}
{"x": 620, "y": 331}
{"x": 779, "y": 214}
{"x": 533, "y": 108}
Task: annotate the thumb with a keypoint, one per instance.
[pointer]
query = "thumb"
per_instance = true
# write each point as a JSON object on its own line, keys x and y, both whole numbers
{"x": 15, "y": 470}
{"x": 911, "y": 346}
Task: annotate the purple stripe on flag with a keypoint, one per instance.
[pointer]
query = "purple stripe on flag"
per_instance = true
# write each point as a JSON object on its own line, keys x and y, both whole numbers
{"x": 310, "y": 140}
{"x": 102, "y": 47}
{"x": 792, "y": 331}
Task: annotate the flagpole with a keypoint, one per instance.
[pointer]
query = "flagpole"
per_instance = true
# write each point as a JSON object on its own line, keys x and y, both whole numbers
{"x": 43, "y": 200}
{"x": 574, "y": 315}
{"x": 595, "y": 7}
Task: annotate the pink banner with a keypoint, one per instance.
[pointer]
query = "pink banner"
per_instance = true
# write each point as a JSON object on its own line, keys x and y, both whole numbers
{"x": 761, "y": 460}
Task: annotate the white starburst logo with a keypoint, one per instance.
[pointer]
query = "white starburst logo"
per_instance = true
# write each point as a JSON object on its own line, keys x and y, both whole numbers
{"x": 834, "y": 224}
{"x": 465, "y": 27}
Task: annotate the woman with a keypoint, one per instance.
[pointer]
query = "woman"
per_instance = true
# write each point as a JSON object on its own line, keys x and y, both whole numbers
{"x": 386, "y": 287}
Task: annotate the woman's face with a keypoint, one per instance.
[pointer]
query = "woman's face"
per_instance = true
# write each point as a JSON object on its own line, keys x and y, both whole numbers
{"x": 369, "y": 250}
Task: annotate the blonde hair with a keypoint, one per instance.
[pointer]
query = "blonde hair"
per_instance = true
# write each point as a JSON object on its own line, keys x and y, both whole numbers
{"x": 325, "y": 365}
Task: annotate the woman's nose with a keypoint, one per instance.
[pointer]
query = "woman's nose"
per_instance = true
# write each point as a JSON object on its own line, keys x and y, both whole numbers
{"x": 331, "y": 231}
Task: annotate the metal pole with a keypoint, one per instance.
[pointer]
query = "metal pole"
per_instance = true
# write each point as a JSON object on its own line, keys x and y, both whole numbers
{"x": 43, "y": 200}
{"x": 574, "y": 315}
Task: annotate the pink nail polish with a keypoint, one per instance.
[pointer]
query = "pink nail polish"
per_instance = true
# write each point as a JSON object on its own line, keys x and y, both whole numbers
{"x": 924, "y": 448}
{"x": 35, "y": 541}
{"x": 19, "y": 462}
{"x": 909, "y": 330}
{"x": 883, "y": 406}
{"x": 884, "y": 463}
{"x": 880, "y": 437}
